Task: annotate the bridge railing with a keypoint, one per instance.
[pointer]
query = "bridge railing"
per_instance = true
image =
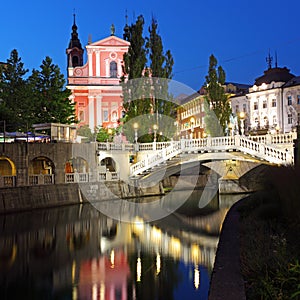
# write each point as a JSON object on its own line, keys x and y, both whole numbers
{"x": 39, "y": 179}
{"x": 266, "y": 152}
{"x": 108, "y": 176}
{"x": 160, "y": 156}
{"x": 76, "y": 177}
{"x": 7, "y": 181}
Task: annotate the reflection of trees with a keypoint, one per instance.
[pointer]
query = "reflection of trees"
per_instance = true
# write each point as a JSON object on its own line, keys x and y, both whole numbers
{"x": 153, "y": 285}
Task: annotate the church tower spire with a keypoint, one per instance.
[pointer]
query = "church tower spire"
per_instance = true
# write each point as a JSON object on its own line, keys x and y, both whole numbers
{"x": 74, "y": 51}
{"x": 126, "y": 34}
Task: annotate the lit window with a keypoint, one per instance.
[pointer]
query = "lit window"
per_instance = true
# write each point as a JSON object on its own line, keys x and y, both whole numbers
{"x": 290, "y": 119}
{"x": 289, "y": 100}
{"x": 265, "y": 104}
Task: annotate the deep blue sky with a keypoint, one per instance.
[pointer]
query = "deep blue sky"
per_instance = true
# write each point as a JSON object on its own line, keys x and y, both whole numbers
{"x": 239, "y": 33}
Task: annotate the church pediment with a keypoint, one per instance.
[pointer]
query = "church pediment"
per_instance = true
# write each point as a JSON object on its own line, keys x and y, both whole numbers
{"x": 111, "y": 41}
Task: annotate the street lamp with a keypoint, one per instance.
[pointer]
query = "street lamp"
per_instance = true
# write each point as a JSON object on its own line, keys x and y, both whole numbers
{"x": 242, "y": 118}
{"x": 230, "y": 127}
{"x": 277, "y": 128}
{"x": 135, "y": 127}
{"x": 155, "y": 127}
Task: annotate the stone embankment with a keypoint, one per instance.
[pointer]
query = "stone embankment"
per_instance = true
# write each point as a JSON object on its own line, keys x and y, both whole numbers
{"x": 41, "y": 196}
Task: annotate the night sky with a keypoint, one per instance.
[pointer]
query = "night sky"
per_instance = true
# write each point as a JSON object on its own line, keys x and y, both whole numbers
{"x": 239, "y": 33}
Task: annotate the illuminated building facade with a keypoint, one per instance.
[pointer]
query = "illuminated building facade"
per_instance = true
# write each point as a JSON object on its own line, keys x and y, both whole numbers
{"x": 95, "y": 85}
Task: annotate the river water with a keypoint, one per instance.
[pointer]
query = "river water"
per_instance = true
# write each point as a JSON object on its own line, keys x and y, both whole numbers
{"x": 76, "y": 252}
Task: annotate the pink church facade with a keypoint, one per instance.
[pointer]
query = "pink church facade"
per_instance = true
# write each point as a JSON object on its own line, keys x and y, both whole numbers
{"x": 95, "y": 85}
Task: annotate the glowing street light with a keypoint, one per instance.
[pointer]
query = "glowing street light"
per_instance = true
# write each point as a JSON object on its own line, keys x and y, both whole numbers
{"x": 155, "y": 127}
{"x": 242, "y": 118}
{"x": 135, "y": 127}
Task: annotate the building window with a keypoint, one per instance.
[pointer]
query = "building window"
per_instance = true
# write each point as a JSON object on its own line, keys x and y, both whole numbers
{"x": 81, "y": 115}
{"x": 274, "y": 120}
{"x": 255, "y": 105}
{"x": 244, "y": 107}
{"x": 298, "y": 118}
{"x": 274, "y": 104}
{"x": 298, "y": 99}
{"x": 237, "y": 108}
{"x": 113, "y": 69}
{"x": 114, "y": 116}
{"x": 266, "y": 121}
{"x": 290, "y": 119}
{"x": 105, "y": 115}
{"x": 265, "y": 104}
{"x": 289, "y": 100}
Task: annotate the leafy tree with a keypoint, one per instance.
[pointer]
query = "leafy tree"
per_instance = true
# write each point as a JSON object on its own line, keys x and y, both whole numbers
{"x": 136, "y": 99}
{"x": 105, "y": 134}
{"x": 161, "y": 65}
{"x": 145, "y": 95}
{"x": 85, "y": 131}
{"x": 217, "y": 106}
{"x": 50, "y": 96}
{"x": 15, "y": 104}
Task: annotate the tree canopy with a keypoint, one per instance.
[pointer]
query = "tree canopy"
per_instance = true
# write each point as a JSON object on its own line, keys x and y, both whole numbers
{"x": 217, "y": 106}
{"x": 146, "y": 97}
{"x": 39, "y": 98}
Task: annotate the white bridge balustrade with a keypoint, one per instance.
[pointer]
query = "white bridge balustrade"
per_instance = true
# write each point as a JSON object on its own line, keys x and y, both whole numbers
{"x": 76, "y": 177}
{"x": 268, "y": 148}
{"x": 38, "y": 179}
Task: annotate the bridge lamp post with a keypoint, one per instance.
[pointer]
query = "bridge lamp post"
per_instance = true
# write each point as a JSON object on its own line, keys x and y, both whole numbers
{"x": 242, "y": 118}
{"x": 230, "y": 127}
{"x": 135, "y": 127}
{"x": 155, "y": 127}
{"x": 192, "y": 121}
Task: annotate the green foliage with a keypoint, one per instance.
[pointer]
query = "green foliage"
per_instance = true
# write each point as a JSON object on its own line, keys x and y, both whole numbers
{"x": 146, "y": 96}
{"x": 105, "y": 134}
{"x": 15, "y": 105}
{"x": 86, "y": 132}
{"x": 217, "y": 101}
{"x": 41, "y": 98}
{"x": 50, "y": 95}
{"x": 270, "y": 243}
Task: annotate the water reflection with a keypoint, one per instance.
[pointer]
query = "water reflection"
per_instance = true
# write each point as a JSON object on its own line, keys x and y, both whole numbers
{"x": 76, "y": 252}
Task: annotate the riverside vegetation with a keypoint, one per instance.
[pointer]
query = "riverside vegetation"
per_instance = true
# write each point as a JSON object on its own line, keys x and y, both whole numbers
{"x": 270, "y": 239}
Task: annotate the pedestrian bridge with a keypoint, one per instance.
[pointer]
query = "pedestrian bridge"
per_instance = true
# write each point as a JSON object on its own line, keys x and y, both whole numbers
{"x": 271, "y": 149}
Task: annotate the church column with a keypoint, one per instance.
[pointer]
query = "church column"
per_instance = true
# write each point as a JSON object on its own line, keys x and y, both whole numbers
{"x": 91, "y": 113}
{"x": 97, "y": 63}
{"x": 99, "y": 111}
{"x": 90, "y": 60}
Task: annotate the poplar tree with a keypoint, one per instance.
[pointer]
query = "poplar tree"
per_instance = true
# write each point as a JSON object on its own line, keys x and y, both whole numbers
{"x": 140, "y": 95}
{"x": 217, "y": 107}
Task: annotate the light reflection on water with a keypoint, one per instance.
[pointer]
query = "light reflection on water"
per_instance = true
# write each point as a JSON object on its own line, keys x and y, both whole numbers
{"x": 75, "y": 252}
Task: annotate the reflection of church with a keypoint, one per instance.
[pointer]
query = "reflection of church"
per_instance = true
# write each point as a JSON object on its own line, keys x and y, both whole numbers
{"x": 95, "y": 85}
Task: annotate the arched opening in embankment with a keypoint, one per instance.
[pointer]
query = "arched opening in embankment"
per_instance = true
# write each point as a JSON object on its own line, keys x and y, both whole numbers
{"x": 7, "y": 172}
{"x": 41, "y": 171}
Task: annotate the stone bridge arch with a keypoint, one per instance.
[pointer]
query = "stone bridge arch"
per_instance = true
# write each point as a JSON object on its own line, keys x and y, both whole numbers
{"x": 77, "y": 169}
{"x": 8, "y": 172}
{"x": 41, "y": 170}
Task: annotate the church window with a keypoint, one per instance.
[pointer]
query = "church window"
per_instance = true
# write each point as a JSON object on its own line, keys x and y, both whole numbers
{"x": 113, "y": 69}
{"x": 81, "y": 115}
{"x": 105, "y": 115}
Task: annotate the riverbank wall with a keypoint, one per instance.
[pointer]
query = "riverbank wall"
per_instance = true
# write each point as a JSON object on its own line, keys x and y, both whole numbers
{"x": 44, "y": 196}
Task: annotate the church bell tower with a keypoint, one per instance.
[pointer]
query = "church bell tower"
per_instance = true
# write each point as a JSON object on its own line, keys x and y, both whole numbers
{"x": 74, "y": 51}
